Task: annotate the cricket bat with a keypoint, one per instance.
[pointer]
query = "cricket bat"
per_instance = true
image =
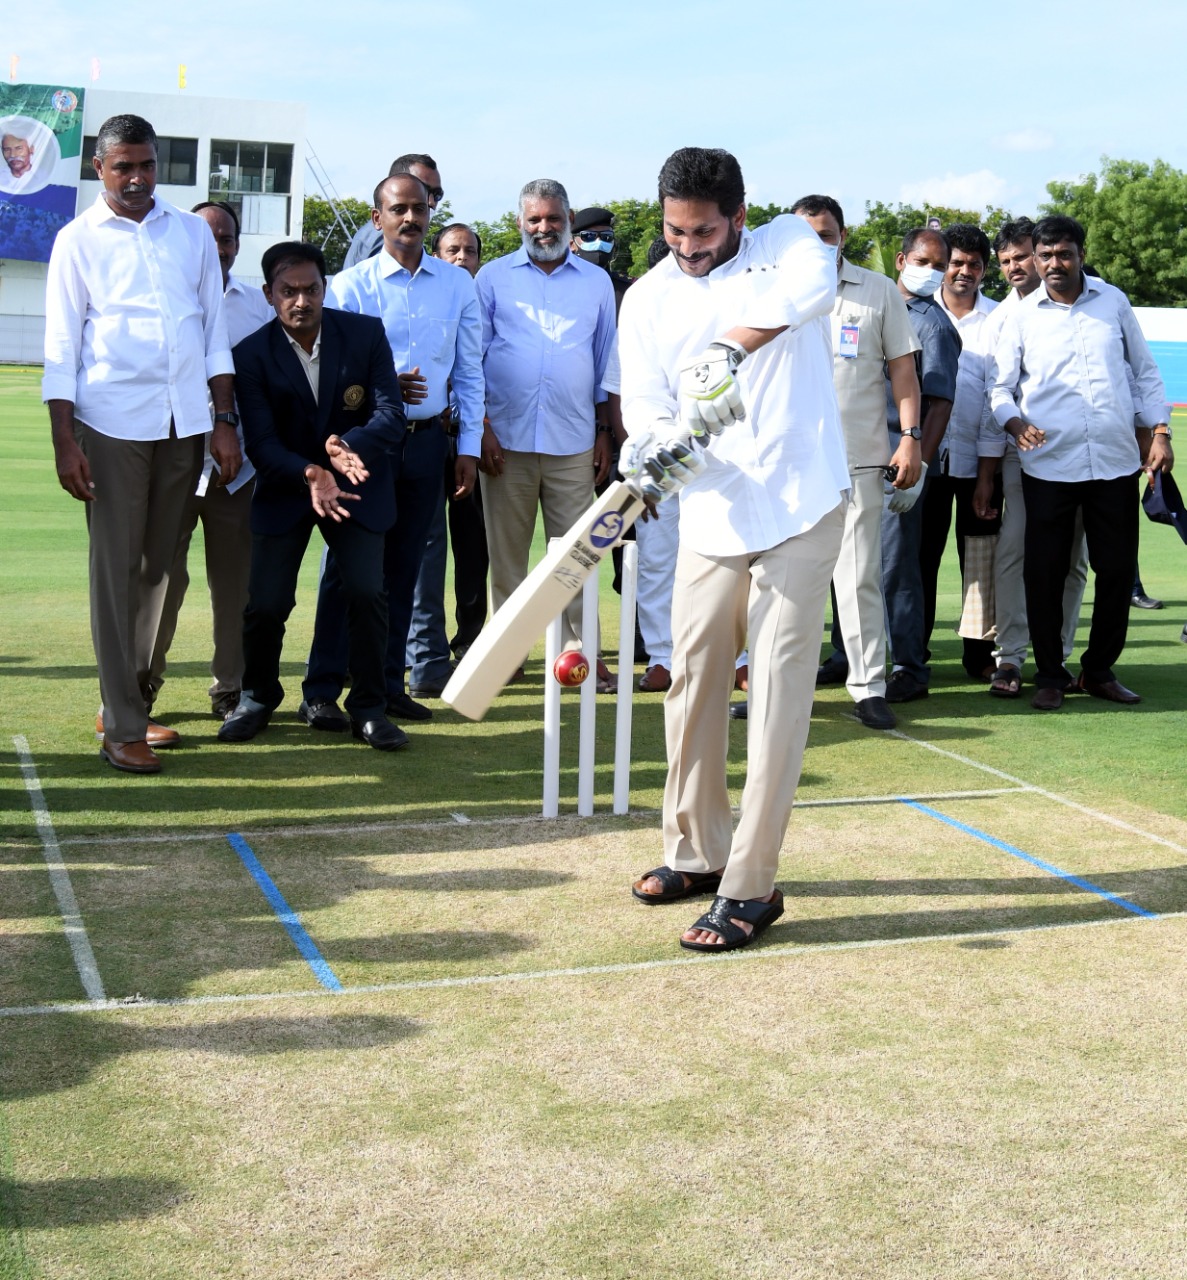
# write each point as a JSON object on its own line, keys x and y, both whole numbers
{"x": 505, "y": 640}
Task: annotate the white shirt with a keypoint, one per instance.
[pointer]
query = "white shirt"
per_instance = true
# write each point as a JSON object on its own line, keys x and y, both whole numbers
{"x": 1084, "y": 374}
{"x": 246, "y": 310}
{"x": 971, "y": 406}
{"x": 134, "y": 324}
{"x": 431, "y": 320}
{"x": 777, "y": 472}
{"x": 992, "y": 441}
{"x": 310, "y": 360}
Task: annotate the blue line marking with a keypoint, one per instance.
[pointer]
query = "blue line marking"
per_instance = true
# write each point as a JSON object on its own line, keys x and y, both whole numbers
{"x": 286, "y": 915}
{"x": 1078, "y": 881}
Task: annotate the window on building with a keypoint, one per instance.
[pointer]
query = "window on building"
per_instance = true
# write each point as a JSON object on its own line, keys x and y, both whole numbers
{"x": 177, "y": 161}
{"x": 256, "y": 177}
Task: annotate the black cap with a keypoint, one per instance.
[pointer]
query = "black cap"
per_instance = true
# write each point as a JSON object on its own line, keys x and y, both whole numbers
{"x": 1163, "y": 503}
{"x": 583, "y": 219}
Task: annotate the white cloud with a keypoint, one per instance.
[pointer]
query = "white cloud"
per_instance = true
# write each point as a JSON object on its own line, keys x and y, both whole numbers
{"x": 1025, "y": 140}
{"x": 957, "y": 190}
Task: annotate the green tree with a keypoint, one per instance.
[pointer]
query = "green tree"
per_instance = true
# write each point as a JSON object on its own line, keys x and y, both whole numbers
{"x": 498, "y": 237}
{"x": 320, "y": 226}
{"x": 1135, "y": 217}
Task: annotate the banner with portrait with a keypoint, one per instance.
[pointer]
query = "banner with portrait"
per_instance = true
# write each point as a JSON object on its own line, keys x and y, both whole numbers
{"x": 41, "y": 141}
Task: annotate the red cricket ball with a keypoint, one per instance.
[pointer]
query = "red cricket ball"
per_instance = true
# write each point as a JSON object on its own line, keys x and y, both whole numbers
{"x": 571, "y": 667}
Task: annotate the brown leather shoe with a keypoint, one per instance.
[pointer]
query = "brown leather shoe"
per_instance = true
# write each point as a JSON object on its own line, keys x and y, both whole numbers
{"x": 131, "y": 757}
{"x": 655, "y": 679}
{"x": 1047, "y": 698}
{"x": 157, "y": 735}
{"x": 1110, "y": 690}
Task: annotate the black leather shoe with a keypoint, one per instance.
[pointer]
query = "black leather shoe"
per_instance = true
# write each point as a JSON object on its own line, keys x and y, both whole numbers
{"x": 903, "y": 687}
{"x": 323, "y": 713}
{"x": 402, "y": 706}
{"x": 874, "y": 713}
{"x": 379, "y": 733}
{"x": 423, "y": 691}
{"x": 1140, "y": 600}
{"x": 832, "y": 670}
{"x": 739, "y": 710}
{"x": 243, "y": 723}
{"x": 1047, "y": 698}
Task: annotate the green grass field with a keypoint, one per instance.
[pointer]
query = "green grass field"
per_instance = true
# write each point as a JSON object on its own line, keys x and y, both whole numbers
{"x": 946, "y": 1060}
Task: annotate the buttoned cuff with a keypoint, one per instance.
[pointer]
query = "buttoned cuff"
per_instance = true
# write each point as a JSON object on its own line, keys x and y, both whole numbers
{"x": 218, "y": 363}
{"x": 57, "y": 384}
{"x": 469, "y": 442}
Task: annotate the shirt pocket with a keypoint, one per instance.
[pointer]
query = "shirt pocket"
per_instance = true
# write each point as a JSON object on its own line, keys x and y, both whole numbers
{"x": 439, "y": 337}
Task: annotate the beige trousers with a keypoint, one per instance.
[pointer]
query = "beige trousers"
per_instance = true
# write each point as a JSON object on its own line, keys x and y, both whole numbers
{"x": 777, "y": 597}
{"x": 857, "y": 580}
{"x": 562, "y": 487}
{"x": 135, "y": 523}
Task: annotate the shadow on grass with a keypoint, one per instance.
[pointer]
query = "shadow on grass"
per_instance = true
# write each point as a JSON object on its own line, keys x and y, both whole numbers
{"x": 83, "y": 1202}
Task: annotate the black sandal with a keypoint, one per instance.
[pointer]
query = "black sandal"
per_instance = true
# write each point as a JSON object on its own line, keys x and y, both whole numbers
{"x": 717, "y": 919}
{"x": 674, "y": 887}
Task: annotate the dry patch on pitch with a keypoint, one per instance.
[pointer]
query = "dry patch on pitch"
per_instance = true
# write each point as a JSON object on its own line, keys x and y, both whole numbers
{"x": 890, "y": 1113}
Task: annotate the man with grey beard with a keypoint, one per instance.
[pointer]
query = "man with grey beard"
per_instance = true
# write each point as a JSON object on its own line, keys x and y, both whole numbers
{"x": 547, "y": 331}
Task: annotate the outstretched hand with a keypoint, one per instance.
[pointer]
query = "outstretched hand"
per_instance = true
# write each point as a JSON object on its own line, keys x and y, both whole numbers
{"x": 345, "y": 461}
{"x": 324, "y": 494}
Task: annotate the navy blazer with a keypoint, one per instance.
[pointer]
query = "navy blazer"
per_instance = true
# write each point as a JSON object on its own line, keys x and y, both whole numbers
{"x": 285, "y": 429}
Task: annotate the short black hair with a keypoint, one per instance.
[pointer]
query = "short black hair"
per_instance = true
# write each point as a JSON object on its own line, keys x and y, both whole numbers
{"x": 814, "y": 206}
{"x": 1056, "y": 228}
{"x": 918, "y": 233}
{"x": 1013, "y": 233}
{"x": 703, "y": 173}
{"x": 404, "y": 163}
{"x": 657, "y": 251}
{"x": 404, "y": 173}
{"x": 124, "y": 131}
{"x": 225, "y": 206}
{"x": 968, "y": 239}
{"x": 438, "y": 236}
{"x": 287, "y": 254}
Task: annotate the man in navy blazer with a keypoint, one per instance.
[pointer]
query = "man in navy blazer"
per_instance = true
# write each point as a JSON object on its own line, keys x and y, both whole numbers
{"x": 321, "y": 411}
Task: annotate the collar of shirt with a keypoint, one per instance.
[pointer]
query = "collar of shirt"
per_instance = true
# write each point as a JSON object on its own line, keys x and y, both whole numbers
{"x": 521, "y": 258}
{"x": 101, "y": 211}
{"x": 983, "y": 306}
{"x": 1090, "y": 285}
{"x": 390, "y": 266}
{"x": 310, "y": 360}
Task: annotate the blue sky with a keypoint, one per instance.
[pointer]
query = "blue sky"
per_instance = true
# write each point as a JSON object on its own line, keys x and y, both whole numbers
{"x": 868, "y": 106}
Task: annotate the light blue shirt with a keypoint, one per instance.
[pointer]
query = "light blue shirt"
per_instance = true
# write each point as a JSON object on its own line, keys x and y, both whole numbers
{"x": 1083, "y": 373}
{"x": 546, "y": 340}
{"x": 432, "y": 323}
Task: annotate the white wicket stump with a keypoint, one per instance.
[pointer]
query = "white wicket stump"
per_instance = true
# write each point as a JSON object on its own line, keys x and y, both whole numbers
{"x": 587, "y": 725}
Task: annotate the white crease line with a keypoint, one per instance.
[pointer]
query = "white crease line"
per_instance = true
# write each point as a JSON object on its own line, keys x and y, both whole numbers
{"x": 596, "y": 970}
{"x": 76, "y": 934}
{"x": 1040, "y": 791}
{"x": 454, "y": 820}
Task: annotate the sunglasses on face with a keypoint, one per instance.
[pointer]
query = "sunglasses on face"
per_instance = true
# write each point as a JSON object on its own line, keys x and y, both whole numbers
{"x": 590, "y": 237}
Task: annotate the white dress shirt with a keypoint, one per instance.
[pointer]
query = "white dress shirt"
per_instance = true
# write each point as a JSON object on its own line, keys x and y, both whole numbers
{"x": 970, "y": 409}
{"x": 134, "y": 323}
{"x": 431, "y": 320}
{"x": 777, "y": 472}
{"x": 310, "y": 360}
{"x": 1083, "y": 374}
{"x": 246, "y": 310}
{"x": 992, "y": 441}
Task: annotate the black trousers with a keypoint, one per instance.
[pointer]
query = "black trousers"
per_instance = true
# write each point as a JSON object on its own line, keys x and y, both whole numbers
{"x": 272, "y": 593}
{"x": 1110, "y": 510}
{"x": 471, "y": 561}
{"x": 938, "y": 498}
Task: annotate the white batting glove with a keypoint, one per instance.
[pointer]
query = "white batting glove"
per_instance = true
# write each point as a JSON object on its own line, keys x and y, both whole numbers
{"x": 660, "y": 468}
{"x": 712, "y": 398}
{"x": 902, "y": 500}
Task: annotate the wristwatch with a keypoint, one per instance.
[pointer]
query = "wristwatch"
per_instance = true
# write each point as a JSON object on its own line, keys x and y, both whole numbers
{"x": 1163, "y": 431}
{"x": 231, "y": 419}
{"x": 913, "y": 432}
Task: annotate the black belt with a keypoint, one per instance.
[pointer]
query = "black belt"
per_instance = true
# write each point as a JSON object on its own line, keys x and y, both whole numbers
{"x": 421, "y": 423}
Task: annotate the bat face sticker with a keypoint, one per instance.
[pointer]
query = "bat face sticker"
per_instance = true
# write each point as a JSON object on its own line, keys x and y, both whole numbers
{"x": 606, "y": 529}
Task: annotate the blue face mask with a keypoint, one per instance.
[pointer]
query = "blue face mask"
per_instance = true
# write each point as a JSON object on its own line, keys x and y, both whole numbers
{"x": 597, "y": 246}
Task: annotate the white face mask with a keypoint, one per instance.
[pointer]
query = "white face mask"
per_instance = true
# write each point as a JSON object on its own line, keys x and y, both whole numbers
{"x": 921, "y": 281}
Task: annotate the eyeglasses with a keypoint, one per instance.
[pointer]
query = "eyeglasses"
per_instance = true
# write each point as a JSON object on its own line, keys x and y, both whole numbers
{"x": 589, "y": 237}
{"x": 435, "y": 193}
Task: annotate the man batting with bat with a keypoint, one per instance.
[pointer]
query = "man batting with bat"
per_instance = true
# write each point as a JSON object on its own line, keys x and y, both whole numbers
{"x": 728, "y": 338}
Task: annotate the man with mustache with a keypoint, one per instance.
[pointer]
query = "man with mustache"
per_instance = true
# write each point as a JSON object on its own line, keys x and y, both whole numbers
{"x": 18, "y": 155}
{"x": 547, "y": 331}
{"x": 135, "y": 335}
{"x": 1072, "y": 375}
{"x": 430, "y": 315}
{"x": 368, "y": 239}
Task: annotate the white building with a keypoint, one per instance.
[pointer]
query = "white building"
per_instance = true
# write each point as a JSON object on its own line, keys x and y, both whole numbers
{"x": 251, "y": 154}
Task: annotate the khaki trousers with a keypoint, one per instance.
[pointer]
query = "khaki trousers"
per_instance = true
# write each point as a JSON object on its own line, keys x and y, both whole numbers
{"x": 141, "y": 487}
{"x": 562, "y": 487}
{"x": 778, "y": 598}
{"x": 226, "y": 538}
{"x": 857, "y": 580}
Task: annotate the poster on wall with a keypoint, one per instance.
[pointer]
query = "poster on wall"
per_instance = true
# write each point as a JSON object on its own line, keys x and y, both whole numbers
{"x": 41, "y": 141}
